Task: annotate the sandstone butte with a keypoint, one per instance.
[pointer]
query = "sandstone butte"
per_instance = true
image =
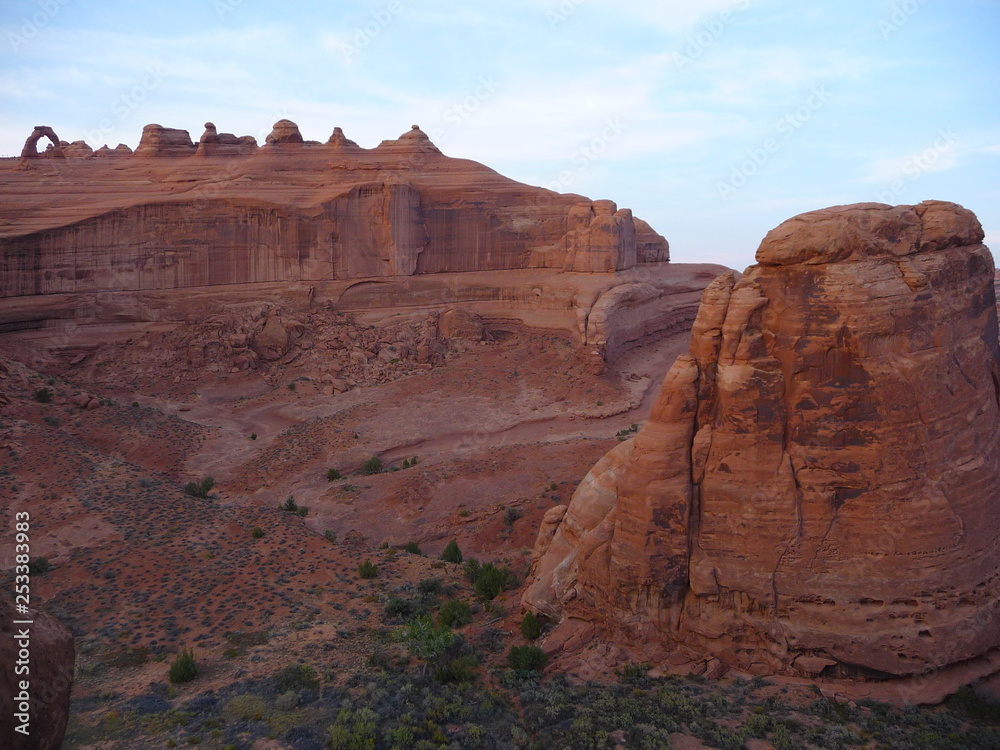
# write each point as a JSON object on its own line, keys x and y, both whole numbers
{"x": 176, "y": 229}
{"x": 817, "y": 491}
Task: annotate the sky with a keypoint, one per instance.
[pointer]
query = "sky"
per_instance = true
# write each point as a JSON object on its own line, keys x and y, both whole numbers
{"x": 714, "y": 120}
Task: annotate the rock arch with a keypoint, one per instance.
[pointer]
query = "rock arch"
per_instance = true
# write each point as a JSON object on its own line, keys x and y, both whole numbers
{"x": 41, "y": 131}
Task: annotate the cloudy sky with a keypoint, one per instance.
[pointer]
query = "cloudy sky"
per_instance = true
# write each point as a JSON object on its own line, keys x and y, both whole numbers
{"x": 714, "y": 120}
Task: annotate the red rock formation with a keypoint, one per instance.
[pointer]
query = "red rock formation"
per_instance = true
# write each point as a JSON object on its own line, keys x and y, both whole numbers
{"x": 31, "y": 144}
{"x": 818, "y": 487}
{"x": 52, "y": 656}
{"x": 321, "y": 215}
{"x": 160, "y": 141}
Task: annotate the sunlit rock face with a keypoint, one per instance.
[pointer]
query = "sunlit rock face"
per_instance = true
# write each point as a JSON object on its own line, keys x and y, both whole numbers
{"x": 818, "y": 487}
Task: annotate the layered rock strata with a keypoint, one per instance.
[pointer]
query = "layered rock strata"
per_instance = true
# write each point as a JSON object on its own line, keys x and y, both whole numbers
{"x": 818, "y": 487}
{"x": 226, "y": 213}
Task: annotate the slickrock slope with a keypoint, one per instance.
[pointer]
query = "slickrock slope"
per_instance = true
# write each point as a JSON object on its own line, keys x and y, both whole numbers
{"x": 175, "y": 223}
{"x": 818, "y": 488}
{"x": 52, "y": 658}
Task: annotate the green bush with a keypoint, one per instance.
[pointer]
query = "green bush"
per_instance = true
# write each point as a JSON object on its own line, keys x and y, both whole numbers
{"x": 39, "y": 566}
{"x": 510, "y": 515}
{"x": 472, "y": 568}
{"x": 302, "y": 511}
{"x": 429, "y": 586}
{"x": 289, "y": 506}
{"x": 531, "y": 628}
{"x": 413, "y": 548}
{"x": 43, "y": 395}
{"x": 183, "y": 668}
{"x": 454, "y": 613}
{"x": 253, "y": 435}
{"x": 296, "y": 677}
{"x": 452, "y": 553}
{"x": 398, "y": 607}
{"x": 372, "y": 466}
{"x": 427, "y": 640}
{"x": 491, "y": 581}
{"x": 367, "y": 569}
{"x": 330, "y": 535}
{"x": 332, "y": 475}
{"x": 461, "y": 669}
{"x": 200, "y": 489}
{"x": 526, "y": 658}
{"x": 257, "y": 532}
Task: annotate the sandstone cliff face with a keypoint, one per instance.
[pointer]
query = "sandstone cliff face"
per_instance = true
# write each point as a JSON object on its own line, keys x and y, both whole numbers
{"x": 52, "y": 659}
{"x": 228, "y": 212}
{"x": 818, "y": 487}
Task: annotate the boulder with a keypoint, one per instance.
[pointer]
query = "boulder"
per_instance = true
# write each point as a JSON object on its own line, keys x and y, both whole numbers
{"x": 52, "y": 660}
{"x": 818, "y": 485}
{"x": 458, "y": 323}
{"x": 284, "y": 132}
{"x": 272, "y": 341}
{"x": 160, "y": 141}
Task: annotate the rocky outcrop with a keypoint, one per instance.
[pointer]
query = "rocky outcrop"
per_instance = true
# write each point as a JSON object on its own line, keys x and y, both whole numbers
{"x": 31, "y": 144}
{"x": 322, "y": 215}
{"x": 818, "y": 487}
{"x": 214, "y": 143}
{"x": 52, "y": 657}
{"x": 160, "y": 141}
{"x": 284, "y": 132}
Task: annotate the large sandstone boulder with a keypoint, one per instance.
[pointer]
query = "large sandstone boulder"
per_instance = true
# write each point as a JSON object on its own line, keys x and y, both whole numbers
{"x": 160, "y": 141}
{"x": 272, "y": 341}
{"x": 52, "y": 658}
{"x": 283, "y": 132}
{"x": 818, "y": 487}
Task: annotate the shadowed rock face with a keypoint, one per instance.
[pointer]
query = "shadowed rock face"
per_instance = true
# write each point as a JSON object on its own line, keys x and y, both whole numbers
{"x": 818, "y": 487}
{"x": 50, "y": 678}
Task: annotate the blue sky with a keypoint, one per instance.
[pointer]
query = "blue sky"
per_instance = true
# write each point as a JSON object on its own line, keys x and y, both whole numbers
{"x": 714, "y": 120}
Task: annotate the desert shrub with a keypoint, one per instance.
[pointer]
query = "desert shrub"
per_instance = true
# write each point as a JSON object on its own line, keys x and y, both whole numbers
{"x": 296, "y": 677}
{"x": 332, "y": 475}
{"x": 461, "y": 669}
{"x": 967, "y": 701}
{"x": 526, "y": 658}
{"x": 257, "y": 532}
{"x": 200, "y": 489}
{"x": 510, "y": 515}
{"x": 367, "y": 569}
{"x": 39, "y": 566}
{"x": 354, "y": 730}
{"x": 425, "y": 639}
{"x": 289, "y": 506}
{"x": 398, "y": 607}
{"x": 452, "y": 553}
{"x": 372, "y": 466}
{"x": 43, "y": 395}
{"x": 253, "y": 435}
{"x": 413, "y": 548}
{"x": 471, "y": 568}
{"x": 246, "y": 707}
{"x": 454, "y": 613}
{"x": 302, "y": 511}
{"x": 429, "y": 586}
{"x": 491, "y": 581}
{"x": 330, "y": 535}
{"x": 531, "y": 628}
{"x": 183, "y": 668}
